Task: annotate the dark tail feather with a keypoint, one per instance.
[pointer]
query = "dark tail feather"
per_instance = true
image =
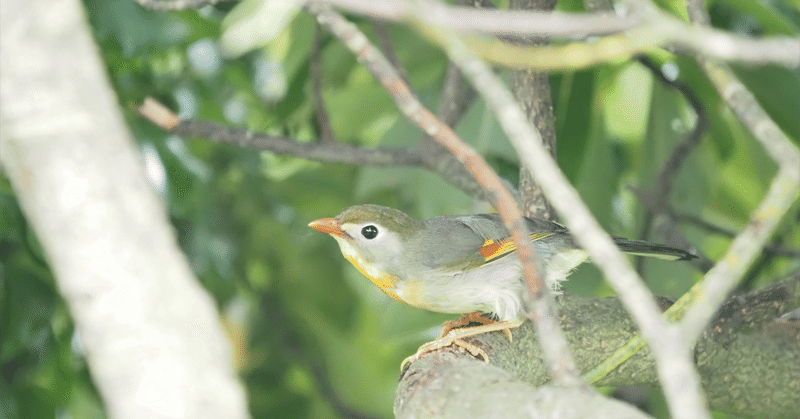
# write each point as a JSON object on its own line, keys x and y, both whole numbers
{"x": 643, "y": 248}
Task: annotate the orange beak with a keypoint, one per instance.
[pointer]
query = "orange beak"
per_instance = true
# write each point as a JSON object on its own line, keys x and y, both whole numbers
{"x": 328, "y": 226}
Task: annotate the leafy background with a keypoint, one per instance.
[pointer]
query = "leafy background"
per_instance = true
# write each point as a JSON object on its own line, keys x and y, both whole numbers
{"x": 311, "y": 337}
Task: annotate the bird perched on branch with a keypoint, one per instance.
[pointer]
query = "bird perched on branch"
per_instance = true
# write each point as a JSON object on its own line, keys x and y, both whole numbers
{"x": 460, "y": 264}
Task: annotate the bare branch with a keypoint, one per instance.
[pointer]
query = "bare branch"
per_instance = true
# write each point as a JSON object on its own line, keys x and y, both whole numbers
{"x": 320, "y": 151}
{"x": 677, "y": 374}
{"x": 657, "y": 200}
{"x": 645, "y": 27}
{"x": 784, "y": 51}
{"x": 498, "y": 22}
{"x": 773, "y": 248}
{"x": 784, "y": 189}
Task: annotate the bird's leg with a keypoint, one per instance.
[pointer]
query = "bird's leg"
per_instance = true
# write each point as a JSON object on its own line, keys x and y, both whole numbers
{"x": 455, "y": 336}
{"x": 465, "y": 320}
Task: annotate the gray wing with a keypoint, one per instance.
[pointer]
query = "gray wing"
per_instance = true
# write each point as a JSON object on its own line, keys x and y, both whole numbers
{"x": 454, "y": 242}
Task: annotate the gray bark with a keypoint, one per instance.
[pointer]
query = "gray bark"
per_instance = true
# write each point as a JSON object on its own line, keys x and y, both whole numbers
{"x": 151, "y": 335}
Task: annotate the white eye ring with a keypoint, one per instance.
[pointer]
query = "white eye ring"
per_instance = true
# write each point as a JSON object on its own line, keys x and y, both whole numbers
{"x": 369, "y": 231}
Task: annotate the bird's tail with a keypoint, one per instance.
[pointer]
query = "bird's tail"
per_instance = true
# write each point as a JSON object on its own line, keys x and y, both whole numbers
{"x": 643, "y": 248}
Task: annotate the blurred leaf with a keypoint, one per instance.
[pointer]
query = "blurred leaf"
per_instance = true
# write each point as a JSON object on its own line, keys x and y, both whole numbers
{"x": 778, "y": 92}
{"x": 574, "y": 107}
{"x": 627, "y": 102}
{"x": 255, "y": 22}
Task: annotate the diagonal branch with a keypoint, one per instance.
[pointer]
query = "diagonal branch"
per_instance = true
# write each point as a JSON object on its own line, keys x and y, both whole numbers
{"x": 783, "y": 191}
{"x": 680, "y": 380}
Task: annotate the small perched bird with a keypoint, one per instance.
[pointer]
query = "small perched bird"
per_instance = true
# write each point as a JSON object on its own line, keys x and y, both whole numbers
{"x": 459, "y": 264}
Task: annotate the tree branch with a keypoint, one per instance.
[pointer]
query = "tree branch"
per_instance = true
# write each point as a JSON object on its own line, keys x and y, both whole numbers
{"x": 784, "y": 189}
{"x": 677, "y": 374}
{"x": 646, "y": 27}
{"x": 152, "y": 336}
{"x": 532, "y": 90}
{"x": 494, "y": 21}
{"x": 750, "y": 333}
{"x": 330, "y": 152}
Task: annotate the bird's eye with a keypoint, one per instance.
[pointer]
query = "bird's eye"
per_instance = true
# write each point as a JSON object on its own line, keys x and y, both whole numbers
{"x": 369, "y": 232}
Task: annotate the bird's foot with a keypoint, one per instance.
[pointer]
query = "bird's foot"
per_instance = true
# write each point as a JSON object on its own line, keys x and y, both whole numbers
{"x": 453, "y": 334}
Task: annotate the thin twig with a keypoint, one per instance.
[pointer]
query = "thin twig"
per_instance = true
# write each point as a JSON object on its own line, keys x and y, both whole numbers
{"x": 456, "y": 100}
{"x": 675, "y": 161}
{"x": 323, "y": 120}
{"x": 388, "y": 50}
{"x": 327, "y": 152}
{"x": 657, "y": 200}
{"x": 773, "y": 248}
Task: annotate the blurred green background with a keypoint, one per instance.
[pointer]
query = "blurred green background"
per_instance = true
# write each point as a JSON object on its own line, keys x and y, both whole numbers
{"x": 312, "y": 338}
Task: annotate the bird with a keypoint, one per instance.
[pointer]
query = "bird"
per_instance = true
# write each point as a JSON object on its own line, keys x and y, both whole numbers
{"x": 460, "y": 264}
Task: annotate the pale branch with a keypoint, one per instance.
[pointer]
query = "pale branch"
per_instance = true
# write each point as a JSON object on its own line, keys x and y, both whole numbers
{"x": 644, "y": 27}
{"x": 783, "y": 51}
{"x": 559, "y": 360}
{"x": 445, "y": 385}
{"x": 678, "y": 377}
{"x": 783, "y": 190}
{"x": 151, "y": 333}
{"x": 493, "y": 21}
{"x": 751, "y": 332}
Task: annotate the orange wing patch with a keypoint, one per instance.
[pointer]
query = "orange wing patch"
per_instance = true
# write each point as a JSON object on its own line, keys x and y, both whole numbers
{"x": 492, "y": 250}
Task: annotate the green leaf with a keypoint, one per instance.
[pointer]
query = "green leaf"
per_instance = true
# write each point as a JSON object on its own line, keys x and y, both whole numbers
{"x": 253, "y": 23}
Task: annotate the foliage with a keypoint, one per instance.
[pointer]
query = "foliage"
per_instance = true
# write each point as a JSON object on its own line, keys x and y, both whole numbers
{"x": 310, "y": 335}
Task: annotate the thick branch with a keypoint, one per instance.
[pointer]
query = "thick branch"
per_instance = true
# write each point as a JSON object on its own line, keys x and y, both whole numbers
{"x": 746, "y": 358}
{"x": 532, "y": 90}
{"x": 154, "y": 344}
{"x": 447, "y": 386}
